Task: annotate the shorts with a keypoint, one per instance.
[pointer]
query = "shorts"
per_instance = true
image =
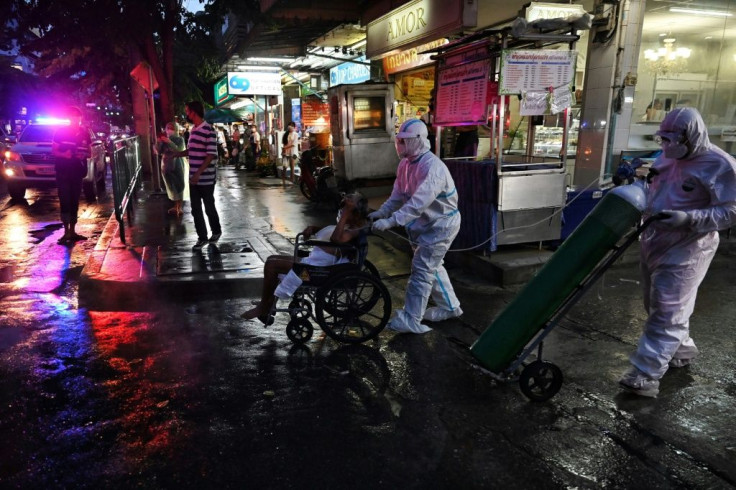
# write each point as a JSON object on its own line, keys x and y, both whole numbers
{"x": 290, "y": 282}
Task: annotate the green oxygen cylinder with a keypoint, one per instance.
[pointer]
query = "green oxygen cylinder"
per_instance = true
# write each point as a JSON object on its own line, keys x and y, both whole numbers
{"x": 618, "y": 211}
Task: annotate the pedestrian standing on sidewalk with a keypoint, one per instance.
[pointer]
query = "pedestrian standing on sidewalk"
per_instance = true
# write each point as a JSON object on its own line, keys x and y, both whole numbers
{"x": 236, "y": 147}
{"x": 202, "y": 153}
{"x": 290, "y": 151}
{"x": 71, "y": 148}
{"x": 696, "y": 188}
{"x": 424, "y": 201}
{"x": 173, "y": 168}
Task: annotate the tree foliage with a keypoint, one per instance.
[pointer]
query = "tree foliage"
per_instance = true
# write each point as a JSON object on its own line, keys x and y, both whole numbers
{"x": 87, "y": 48}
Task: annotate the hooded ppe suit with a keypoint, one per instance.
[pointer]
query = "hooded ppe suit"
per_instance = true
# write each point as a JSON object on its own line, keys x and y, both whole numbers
{"x": 424, "y": 201}
{"x": 699, "y": 179}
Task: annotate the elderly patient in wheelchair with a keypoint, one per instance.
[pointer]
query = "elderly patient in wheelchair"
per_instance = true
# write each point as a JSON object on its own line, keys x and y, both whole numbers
{"x": 351, "y": 219}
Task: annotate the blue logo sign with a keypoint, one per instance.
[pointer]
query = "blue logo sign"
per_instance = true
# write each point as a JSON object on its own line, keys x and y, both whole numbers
{"x": 240, "y": 83}
{"x": 350, "y": 73}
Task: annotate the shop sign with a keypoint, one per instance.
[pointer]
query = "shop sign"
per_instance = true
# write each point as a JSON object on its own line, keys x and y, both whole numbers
{"x": 543, "y": 11}
{"x": 350, "y": 73}
{"x": 410, "y": 58}
{"x": 254, "y": 83}
{"x": 417, "y": 22}
{"x": 221, "y": 93}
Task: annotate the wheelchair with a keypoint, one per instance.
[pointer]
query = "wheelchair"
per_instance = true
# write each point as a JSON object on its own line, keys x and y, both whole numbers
{"x": 348, "y": 301}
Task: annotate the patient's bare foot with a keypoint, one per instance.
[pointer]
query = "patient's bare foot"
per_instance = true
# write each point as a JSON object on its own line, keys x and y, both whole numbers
{"x": 252, "y": 313}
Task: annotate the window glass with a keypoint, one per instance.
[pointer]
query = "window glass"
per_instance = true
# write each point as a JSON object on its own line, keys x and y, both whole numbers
{"x": 687, "y": 58}
{"x": 369, "y": 113}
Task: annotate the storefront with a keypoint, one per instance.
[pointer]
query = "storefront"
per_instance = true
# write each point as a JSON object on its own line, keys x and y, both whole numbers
{"x": 413, "y": 74}
{"x": 687, "y": 58}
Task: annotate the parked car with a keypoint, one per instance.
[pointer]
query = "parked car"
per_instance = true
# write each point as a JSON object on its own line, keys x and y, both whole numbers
{"x": 29, "y": 163}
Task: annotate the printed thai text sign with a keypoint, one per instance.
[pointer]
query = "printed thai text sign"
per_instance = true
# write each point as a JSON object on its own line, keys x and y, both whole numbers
{"x": 542, "y": 69}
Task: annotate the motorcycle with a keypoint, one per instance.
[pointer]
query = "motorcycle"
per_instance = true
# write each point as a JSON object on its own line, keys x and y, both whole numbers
{"x": 317, "y": 181}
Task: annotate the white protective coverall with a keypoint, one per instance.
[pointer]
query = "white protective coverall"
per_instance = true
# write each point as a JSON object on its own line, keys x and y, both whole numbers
{"x": 674, "y": 261}
{"x": 424, "y": 201}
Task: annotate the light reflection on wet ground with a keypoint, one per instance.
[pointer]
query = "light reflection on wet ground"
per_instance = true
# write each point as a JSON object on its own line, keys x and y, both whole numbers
{"x": 189, "y": 396}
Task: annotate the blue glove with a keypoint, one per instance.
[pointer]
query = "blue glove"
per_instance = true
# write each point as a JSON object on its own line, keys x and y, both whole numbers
{"x": 376, "y": 215}
{"x": 675, "y": 219}
{"x": 383, "y": 224}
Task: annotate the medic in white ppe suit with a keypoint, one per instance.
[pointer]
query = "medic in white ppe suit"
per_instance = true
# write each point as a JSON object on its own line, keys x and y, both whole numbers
{"x": 424, "y": 201}
{"x": 696, "y": 189}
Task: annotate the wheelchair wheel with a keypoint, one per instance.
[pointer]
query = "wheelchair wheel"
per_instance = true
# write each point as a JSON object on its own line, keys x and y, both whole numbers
{"x": 299, "y": 330}
{"x": 353, "y": 307}
{"x": 300, "y": 308}
{"x": 370, "y": 269}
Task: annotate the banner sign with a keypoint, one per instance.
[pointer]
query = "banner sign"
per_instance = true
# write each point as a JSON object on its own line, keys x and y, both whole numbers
{"x": 296, "y": 113}
{"x": 254, "y": 83}
{"x": 315, "y": 114}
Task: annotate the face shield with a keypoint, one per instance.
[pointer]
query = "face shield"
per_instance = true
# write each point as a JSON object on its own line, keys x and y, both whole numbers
{"x": 412, "y": 139}
{"x": 673, "y": 145}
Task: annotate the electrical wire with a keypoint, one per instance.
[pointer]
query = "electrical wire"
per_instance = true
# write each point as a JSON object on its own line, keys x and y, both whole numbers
{"x": 595, "y": 181}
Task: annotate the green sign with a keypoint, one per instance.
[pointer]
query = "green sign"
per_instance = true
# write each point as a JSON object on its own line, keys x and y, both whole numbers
{"x": 221, "y": 94}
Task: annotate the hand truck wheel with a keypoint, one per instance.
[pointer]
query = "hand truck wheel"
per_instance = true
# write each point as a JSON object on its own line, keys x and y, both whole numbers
{"x": 540, "y": 381}
{"x": 299, "y": 330}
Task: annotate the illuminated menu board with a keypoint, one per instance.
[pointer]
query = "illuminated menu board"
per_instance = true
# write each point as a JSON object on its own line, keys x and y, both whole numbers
{"x": 462, "y": 94}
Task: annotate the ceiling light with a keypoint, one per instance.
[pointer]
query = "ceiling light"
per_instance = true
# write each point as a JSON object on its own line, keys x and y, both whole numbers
{"x": 273, "y": 60}
{"x": 707, "y": 13}
{"x": 257, "y": 67}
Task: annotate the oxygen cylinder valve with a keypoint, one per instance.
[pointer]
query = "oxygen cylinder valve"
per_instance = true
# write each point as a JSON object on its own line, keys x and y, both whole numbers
{"x": 626, "y": 171}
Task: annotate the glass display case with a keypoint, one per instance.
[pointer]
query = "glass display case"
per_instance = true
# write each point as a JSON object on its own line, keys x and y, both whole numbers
{"x": 548, "y": 137}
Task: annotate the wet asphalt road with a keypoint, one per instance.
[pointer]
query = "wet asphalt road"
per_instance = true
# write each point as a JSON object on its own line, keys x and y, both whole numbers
{"x": 189, "y": 396}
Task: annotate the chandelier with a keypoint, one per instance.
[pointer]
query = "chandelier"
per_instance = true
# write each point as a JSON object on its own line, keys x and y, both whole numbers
{"x": 667, "y": 59}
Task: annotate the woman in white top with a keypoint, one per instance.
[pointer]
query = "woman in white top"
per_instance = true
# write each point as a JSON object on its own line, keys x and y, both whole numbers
{"x": 290, "y": 152}
{"x": 350, "y": 220}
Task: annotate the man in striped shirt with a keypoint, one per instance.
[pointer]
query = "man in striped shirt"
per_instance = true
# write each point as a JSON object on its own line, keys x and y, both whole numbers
{"x": 202, "y": 153}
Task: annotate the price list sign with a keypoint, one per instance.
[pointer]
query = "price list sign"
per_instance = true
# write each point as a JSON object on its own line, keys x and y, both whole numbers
{"x": 462, "y": 94}
{"x": 535, "y": 70}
